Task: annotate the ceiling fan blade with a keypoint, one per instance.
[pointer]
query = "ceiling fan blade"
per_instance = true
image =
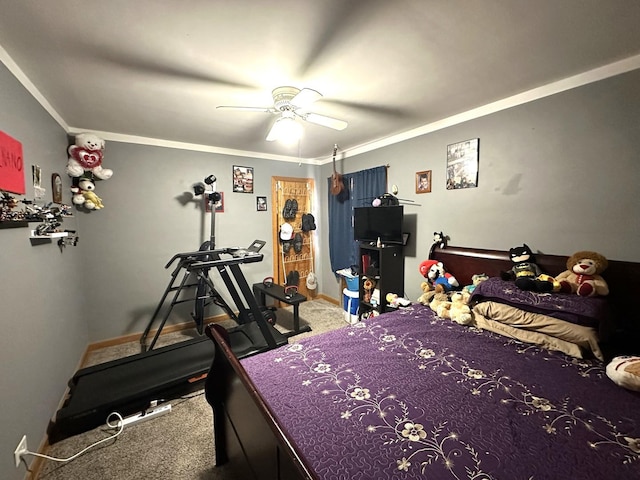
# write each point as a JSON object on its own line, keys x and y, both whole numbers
{"x": 250, "y": 109}
{"x": 325, "y": 121}
{"x": 305, "y": 97}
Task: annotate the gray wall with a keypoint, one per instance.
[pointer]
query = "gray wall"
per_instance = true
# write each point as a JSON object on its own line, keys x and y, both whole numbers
{"x": 44, "y": 331}
{"x": 150, "y": 215}
{"x": 560, "y": 174}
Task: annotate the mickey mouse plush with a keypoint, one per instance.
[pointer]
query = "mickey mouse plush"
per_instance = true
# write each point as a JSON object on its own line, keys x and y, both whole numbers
{"x": 525, "y": 271}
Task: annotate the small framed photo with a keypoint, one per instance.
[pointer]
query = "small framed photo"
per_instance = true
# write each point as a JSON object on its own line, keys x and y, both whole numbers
{"x": 56, "y": 188}
{"x": 462, "y": 164}
{"x": 261, "y": 204}
{"x": 423, "y": 181}
{"x": 242, "y": 179}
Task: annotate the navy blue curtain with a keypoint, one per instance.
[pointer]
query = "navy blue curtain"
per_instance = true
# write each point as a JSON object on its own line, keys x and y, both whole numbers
{"x": 361, "y": 188}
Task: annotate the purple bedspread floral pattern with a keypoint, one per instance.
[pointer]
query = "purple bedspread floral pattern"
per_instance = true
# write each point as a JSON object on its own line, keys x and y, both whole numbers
{"x": 408, "y": 395}
{"x": 586, "y": 311}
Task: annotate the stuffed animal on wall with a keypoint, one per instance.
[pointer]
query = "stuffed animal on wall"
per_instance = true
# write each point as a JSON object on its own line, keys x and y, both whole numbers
{"x": 436, "y": 274}
{"x": 86, "y": 156}
{"x": 583, "y": 274}
{"x": 525, "y": 271}
{"x": 84, "y": 195}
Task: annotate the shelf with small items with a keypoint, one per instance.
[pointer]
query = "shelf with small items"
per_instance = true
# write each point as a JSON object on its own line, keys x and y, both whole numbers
{"x": 49, "y": 235}
{"x": 13, "y": 224}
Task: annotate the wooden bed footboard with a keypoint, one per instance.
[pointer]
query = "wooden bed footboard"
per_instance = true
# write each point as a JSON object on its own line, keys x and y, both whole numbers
{"x": 246, "y": 434}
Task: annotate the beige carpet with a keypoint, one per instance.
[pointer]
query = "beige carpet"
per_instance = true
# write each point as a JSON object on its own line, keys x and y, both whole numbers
{"x": 175, "y": 446}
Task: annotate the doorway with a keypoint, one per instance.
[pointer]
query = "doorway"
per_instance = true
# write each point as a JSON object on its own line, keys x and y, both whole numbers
{"x": 294, "y": 257}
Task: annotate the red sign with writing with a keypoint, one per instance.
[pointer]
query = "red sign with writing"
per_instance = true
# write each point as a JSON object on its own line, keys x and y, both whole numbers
{"x": 11, "y": 165}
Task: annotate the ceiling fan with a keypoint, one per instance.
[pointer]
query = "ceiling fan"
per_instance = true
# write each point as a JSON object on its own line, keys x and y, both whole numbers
{"x": 290, "y": 103}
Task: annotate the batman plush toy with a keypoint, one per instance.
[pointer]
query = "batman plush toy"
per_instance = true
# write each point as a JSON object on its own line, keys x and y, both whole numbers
{"x": 525, "y": 271}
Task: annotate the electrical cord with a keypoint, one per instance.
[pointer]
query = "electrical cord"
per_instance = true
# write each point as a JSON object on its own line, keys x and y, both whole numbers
{"x": 119, "y": 425}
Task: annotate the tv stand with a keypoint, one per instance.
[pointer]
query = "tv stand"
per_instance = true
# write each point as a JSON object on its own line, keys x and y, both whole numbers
{"x": 384, "y": 266}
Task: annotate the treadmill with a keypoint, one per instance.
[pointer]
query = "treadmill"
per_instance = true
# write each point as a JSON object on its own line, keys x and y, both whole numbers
{"x": 129, "y": 385}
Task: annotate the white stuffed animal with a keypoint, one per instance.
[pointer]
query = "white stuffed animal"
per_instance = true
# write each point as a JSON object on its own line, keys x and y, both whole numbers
{"x": 625, "y": 371}
{"x": 83, "y": 194}
{"x": 86, "y": 156}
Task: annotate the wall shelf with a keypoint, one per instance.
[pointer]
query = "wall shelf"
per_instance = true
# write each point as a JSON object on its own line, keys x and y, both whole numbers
{"x": 51, "y": 235}
{"x": 14, "y": 224}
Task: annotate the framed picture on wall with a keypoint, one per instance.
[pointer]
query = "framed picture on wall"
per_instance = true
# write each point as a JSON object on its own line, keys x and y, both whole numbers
{"x": 261, "y": 204}
{"x": 242, "y": 179}
{"x": 423, "y": 181}
{"x": 56, "y": 188}
{"x": 462, "y": 164}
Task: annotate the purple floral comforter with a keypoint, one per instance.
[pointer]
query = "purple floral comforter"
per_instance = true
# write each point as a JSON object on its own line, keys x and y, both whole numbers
{"x": 408, "y": 395}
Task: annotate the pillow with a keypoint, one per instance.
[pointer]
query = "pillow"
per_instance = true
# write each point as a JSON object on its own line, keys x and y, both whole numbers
{"x": 625, "y": 371}
{"x": 585, "y": 311}
{"x": 548, "y": 332}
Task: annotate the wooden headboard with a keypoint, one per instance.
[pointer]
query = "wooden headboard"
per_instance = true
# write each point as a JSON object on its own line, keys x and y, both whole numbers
{"x": 622, "y": 277}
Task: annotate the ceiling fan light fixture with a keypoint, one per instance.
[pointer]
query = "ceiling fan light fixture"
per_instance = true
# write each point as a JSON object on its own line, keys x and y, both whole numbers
{"x": 285, "y": 130}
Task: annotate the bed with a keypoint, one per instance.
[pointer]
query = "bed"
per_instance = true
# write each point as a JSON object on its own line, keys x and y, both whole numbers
{"x": 409, "y": 395}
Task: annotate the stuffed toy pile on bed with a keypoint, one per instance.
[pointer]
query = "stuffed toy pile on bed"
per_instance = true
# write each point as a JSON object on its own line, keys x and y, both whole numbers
{"x": 562, "y": 313}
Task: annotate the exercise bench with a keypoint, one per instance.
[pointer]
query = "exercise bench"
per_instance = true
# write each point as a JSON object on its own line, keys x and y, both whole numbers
{"x": 273, "y": 290}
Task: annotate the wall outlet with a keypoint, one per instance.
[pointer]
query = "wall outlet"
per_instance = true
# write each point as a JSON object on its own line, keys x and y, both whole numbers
{"x": 21, "y": 449}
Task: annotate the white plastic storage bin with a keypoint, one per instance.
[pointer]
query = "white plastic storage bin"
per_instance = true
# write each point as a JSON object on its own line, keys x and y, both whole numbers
{"x": 351, "y": 302}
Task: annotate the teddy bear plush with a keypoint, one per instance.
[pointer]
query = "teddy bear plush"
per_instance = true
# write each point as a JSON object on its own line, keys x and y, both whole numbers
{"x": 427, "y": 293}
{"x": 84, "y": 195}
{"x": 459, "y": 310}
{"x": 455, "y": 308}
{"x": 86, "y": 156}
{"x": 440, "y": 303}
{"x": 582, "y": 275}
{"x": 436, "y": 274}
{"x": 368, "y": 287}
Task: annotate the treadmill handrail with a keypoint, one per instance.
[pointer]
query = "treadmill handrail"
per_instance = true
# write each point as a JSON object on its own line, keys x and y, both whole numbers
{"x": 254, "y": 257}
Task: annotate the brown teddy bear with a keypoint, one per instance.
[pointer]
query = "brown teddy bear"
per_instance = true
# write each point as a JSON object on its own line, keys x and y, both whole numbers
{"x": 427, "y": 293}
{"x": 440, "y": 304}
{"x": 583, "y": 274}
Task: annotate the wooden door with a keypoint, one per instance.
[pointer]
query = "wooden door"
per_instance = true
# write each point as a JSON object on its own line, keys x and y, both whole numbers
{"x": 302, "y": 191}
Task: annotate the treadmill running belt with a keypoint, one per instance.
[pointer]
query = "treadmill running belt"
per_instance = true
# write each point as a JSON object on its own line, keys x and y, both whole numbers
{"x": 129, "y": 384}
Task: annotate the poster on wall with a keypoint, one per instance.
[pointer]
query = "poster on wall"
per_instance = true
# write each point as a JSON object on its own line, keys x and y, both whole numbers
{"x": 11, "y": 165}
{"x": 462, "y": 164}
{"x": 242, "y": 179}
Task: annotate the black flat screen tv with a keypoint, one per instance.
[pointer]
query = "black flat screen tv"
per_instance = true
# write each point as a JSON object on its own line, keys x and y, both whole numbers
{"x": 373, "y": 223}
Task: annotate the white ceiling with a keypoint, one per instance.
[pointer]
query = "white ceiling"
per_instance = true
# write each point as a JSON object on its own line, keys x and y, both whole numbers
{"x": 153, "y": 71}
